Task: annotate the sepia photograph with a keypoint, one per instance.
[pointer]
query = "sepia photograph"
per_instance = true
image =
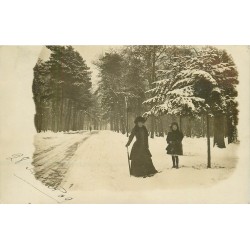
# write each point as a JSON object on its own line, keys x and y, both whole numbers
{"x": 114, "y": 123}
{"x": 124, "y": 125}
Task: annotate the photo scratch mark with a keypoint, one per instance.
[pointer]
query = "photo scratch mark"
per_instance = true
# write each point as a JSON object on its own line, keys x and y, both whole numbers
{"x": 36, "y": 188}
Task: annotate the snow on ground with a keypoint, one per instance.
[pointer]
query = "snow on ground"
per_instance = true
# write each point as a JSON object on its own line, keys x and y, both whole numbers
{"x": 100, "y": 163}
{"x": 78, "y": 165}
{"x": 52, "y": 153}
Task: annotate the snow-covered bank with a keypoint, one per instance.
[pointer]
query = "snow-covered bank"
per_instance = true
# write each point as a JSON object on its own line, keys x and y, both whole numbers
{"x": 87, "y": 167}
{"x": 101, "y": 164}
{"x": 195, "y": 153}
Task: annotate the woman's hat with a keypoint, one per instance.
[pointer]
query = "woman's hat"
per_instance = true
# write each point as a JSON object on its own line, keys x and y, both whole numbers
{"x": 139, "y": 119}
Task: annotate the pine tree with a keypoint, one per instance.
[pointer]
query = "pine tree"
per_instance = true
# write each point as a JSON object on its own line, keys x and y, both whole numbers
{"x": 43, "y": 93}
{"x": 109, "y": 89}
{"x": 67, "y": 77}
{"x": 123, "y": 77}
{"x": 196, "y": 85}
{"x": 220, "y": 66}
{"x": 151, "y": 58}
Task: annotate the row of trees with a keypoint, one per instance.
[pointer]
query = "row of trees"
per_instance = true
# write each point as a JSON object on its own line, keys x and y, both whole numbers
{"x": 121, "y": 78}
{"x": 191, "y": 127}
{"x": 199, "y": 84}
{"x": 61, "y": 90}
{"x": 180, "y": 81}
{"x": 192, "y": 85}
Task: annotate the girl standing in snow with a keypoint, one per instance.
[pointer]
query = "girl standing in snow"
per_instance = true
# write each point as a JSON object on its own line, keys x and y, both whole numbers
{"x": 174, "y": 140}
{"x": 141, "y": 162}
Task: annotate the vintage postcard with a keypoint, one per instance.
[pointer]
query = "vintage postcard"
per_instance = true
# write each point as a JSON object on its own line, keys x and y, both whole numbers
{"x": 124, "y": 124}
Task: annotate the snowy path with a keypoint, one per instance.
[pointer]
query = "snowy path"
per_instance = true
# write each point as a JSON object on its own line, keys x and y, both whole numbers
{"x": 100, "y": 163}
{"x": 53, "y": 151}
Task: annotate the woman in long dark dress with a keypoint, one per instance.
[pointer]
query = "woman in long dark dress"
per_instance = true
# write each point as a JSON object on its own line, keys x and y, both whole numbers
{"x": 174, "y": 140}
{"x": 141, "y": 162}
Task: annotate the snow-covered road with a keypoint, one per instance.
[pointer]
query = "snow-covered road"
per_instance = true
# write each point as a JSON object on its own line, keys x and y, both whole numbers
{"x": 52, "y": 154}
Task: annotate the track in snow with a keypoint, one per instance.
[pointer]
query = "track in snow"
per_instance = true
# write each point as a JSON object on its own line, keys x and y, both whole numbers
{"x": 98, "y": 161}
{"x": 52, "y": 153}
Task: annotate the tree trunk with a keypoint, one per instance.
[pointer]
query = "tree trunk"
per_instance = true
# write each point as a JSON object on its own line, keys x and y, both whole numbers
{"x": 50, "y": 125}
{"x": 63, "y": 106}
{"x": 161, "y": 128}
{"x": 74, "y": 117}
{"x": 111, "y": 122}
{"x": 83, "y": 120}
{"x": 189, "y": 129}
{"x": 203, "y": 126}
{"x": 122, "y": 122}
{"x": 156, "y": 127}
{"x": 71, "y": 116}
{"x": 219, "y": 131}
{"x": 208, "y": 144}
{"x": 231, "y": 131}
{"x": 54, "y": 116}
{"x": 152, "y": 126}
{"x": 180, "y": 123}
{"x": 77, "y": 120}
{"x": 68, "y": 114}
{"x": 126, "y": 115}
{"x": 45, "y": 119}
{"x": 153, "y": 79}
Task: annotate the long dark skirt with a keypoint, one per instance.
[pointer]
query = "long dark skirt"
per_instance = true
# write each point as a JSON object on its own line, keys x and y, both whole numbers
{"x": 142, "y": 167}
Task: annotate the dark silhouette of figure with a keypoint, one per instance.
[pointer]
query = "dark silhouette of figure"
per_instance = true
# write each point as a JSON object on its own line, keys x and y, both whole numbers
{"x": 141, "y": 162}
{"x": 174, "y": 140}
